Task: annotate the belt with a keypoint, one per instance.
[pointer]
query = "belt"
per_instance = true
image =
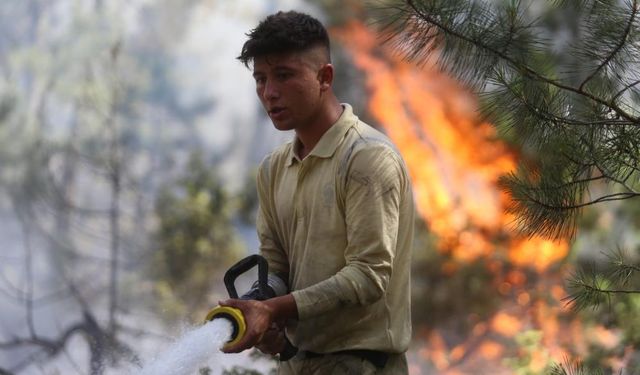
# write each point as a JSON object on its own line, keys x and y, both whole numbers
{"x": 376, "y": 358}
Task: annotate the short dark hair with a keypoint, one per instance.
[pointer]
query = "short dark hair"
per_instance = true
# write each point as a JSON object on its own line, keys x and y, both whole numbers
{"x": 284, "y": 32}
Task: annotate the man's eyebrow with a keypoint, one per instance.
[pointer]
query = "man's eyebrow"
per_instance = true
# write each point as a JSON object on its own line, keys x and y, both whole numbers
{"x": 284, "y": 67}
{"x": 277, "y": 68}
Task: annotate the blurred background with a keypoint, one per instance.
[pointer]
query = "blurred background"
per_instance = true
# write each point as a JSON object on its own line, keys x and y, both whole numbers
{"x": 129, "y": 141}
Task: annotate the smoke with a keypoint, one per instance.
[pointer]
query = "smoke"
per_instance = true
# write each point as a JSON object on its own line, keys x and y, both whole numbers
{"x": 233, "y": 130}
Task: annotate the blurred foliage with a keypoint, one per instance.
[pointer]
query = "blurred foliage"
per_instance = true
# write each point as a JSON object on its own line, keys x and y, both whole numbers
{"x": 91, "y": 126}
{"x": 195, "y": 240}
{"x": 445, "y": 293}
{"x": 247, "y": 199}
{"x": 71, "y": 94}
{"x": 6, "y": 106}
{"x": 254, "y": 354}
{"x": 533, "y": 358}
{"x": 238, "y": 370}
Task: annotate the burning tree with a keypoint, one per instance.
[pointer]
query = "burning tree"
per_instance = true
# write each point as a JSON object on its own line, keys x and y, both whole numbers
{"x": 560, "y": 82}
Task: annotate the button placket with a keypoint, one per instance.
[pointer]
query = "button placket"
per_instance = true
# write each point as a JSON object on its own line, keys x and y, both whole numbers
{"x": 300, "y": 186}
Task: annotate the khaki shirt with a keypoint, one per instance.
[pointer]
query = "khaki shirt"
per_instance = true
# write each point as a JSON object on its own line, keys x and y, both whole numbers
{"x": 340, "y": 224}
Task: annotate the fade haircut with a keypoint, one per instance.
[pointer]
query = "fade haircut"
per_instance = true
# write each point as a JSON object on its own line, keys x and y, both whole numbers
{"x": 284, "y": 32}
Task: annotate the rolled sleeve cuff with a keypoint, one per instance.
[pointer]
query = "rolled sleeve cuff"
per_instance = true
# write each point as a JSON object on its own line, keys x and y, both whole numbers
{"x": 305, "y": 305}
{"x": 348, "y": 287}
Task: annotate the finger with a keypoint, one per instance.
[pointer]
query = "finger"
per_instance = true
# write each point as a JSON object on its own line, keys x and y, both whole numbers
{"x": 231, "y": 303}
{"x": 248, "y": 341}
{"x": 266, "y": 349}
{"x": 280, "y": 323}
{"x": 235, "y": 348}
{"x": 269, "y": 336}
{"x": 272, "y": 328}
{"x": 271, "y": 343}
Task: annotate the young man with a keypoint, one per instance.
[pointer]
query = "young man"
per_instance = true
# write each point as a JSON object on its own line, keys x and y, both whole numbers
{"x": 335, "y": 220}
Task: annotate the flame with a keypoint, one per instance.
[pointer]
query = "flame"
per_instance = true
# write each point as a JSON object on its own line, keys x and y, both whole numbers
{"x": 538, "y": 253}
{"x": 455, "y": 161}
{"x": 491, "y": 350}
{"x": 453, "y": 158}
{"x": 506, "y": 324}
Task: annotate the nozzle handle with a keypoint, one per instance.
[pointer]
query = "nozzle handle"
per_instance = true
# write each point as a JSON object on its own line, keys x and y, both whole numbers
{"x": 243, "y": 266}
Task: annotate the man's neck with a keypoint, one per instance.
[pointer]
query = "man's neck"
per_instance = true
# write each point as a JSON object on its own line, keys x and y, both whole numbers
{"x": 310, "y": 136}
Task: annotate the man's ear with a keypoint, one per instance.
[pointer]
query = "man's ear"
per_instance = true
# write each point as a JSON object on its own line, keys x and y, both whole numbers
{"x": 325, "y": 77}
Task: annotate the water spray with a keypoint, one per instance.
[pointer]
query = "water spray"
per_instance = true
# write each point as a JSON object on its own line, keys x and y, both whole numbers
{"x": 267, "y": 286}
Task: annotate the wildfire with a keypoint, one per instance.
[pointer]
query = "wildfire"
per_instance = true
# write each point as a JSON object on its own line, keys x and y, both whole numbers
{"x": 455, "y": 161}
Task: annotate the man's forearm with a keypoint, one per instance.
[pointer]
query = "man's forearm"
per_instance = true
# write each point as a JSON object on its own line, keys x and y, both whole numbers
{"x": 283, "y": 307}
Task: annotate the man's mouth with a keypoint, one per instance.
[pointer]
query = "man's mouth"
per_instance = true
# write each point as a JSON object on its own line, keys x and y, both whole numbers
{"x": 276, "y": 111}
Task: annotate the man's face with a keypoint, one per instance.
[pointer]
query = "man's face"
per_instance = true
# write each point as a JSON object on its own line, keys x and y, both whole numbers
{"x": 289, "y": 88}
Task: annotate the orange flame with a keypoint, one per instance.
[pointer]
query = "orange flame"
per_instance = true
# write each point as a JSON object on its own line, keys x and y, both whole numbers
{"x": 506, "y": 324}
{"x": 454, "y": 159}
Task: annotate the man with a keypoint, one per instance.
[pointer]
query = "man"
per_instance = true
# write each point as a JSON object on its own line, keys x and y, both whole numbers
{"x": 335, "y": 221}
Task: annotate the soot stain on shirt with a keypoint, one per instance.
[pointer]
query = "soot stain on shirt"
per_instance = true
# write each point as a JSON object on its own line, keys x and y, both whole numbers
{"x": 328, "y": 195}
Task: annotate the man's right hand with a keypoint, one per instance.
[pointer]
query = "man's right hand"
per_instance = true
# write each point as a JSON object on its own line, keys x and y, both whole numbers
{"x": 259, "y": 317}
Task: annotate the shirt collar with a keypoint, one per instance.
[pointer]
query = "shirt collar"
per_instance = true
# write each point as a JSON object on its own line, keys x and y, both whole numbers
{"x": 330, "y": 140}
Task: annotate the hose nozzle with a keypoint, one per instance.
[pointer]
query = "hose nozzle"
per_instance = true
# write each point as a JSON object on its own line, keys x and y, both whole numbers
{"x": 266, "y": 287}
{"x": 238, "y": 324}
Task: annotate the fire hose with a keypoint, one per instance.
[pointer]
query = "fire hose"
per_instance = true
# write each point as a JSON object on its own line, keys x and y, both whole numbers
{"x": 267, "y": 286}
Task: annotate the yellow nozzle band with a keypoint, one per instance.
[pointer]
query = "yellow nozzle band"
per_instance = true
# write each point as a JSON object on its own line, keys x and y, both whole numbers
{"x": 235, "y": 317}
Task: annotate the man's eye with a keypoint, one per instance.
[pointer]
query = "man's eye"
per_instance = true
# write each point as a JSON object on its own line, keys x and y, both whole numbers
{"x": 282, "y": 76}
{"x": 260, "y": 81}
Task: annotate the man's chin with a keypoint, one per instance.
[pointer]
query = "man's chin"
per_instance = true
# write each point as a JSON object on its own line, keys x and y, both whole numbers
{"x": 282, "y": 126}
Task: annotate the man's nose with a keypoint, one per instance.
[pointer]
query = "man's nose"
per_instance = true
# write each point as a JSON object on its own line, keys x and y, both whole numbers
{"x": 270, "y": 90}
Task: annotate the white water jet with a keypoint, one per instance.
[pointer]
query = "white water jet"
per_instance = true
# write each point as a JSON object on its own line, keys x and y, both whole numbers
{"x": 191, "y": 351}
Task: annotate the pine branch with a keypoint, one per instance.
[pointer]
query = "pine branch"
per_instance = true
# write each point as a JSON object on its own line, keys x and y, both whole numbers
{"x": 545, "y": 203}
{"x": 553, "y": 118}
{"x": 621, "y": 270}
{"x": 594, "y": 289}
{"x": 523, "y": 68}
{"x": 574, "y": 126}
{"x": 617, "y": 48}
{"x": 622, "y": 182}
{"x": 589, "y": 294}
{"x": 604, "y": 198}
{"x": 589, "y": 288}
{"x": 585, "y": 290}
{"x": 569, "y": 367}
{"x": 625, "y": 88}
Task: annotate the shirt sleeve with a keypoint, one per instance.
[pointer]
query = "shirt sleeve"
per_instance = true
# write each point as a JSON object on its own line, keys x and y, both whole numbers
{"x": 375, "y": 185}
{"x": 270, "y": 244}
